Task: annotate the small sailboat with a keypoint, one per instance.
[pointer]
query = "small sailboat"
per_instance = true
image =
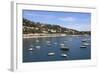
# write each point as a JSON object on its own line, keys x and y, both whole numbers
{"x": 51, "y": 54}
{"x": 64, "y": 55}
{"x": 31, "y": 49}
{"x": 86, "y": 44}
{"x": 82, "y": 46}
{"x": 62, "y": 44}
{"x": 38, "y": 47}
{"x": 64, "y": 48}
{"x": 84, "y": 40}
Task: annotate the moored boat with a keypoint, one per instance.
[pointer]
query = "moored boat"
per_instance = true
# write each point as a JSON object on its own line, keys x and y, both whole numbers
{"x": 51, "y": 54}
{"x": 64, "y": 55}
{"x": 82, "y": 46}
{"x": 38, "y": 47}
{"x": 86, "y": 44}
{"x": 62, "y": 44}
{"x": 31, "y": 49}
{"x": 64, "y": 48}
{"x": 85, "y": 40}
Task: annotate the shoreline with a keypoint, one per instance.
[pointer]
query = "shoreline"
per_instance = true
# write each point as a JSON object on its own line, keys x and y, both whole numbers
{"x": 47, "y": 35}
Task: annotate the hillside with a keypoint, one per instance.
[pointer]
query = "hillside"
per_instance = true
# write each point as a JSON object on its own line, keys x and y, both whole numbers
{"x": 37, "y": 27}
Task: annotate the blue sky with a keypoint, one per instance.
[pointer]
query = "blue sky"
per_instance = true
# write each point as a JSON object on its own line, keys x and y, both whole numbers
{"x": 74, "y": 20}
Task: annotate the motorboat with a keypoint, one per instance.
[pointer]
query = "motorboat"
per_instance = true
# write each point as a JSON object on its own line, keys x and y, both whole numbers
{"x": 64, "y": 55}
{"x": 31, "y": 49}
{"x": 86, "y": 44}
{"x": 64, "y": 48}
{"x": 38, "y": 47}
{"x": 62, "y": 44}
{"x": 82, "y": 46}
{"x": 51, "y": 54}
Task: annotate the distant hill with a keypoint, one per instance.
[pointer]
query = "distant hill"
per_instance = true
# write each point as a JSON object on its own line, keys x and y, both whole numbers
{"x": 38, "y": 27}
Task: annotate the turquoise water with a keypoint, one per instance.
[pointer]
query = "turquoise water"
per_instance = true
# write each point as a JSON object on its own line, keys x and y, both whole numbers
{"x": 43, "y": 46}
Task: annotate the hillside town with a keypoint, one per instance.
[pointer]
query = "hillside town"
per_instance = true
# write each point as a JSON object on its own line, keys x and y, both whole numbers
{"x": 42, "y": 29}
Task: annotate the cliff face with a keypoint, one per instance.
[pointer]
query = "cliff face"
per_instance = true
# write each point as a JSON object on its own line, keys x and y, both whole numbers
{"x": 37, "y": 27}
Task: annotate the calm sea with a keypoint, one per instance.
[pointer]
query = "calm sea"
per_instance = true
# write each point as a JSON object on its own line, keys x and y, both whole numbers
{"x": 42, "y": 46}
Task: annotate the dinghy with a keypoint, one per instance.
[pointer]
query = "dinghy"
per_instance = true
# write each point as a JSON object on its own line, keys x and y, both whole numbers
{"x": 31, "y": 49}
{"x": 64, "y": 55}
{"x": 51, "y": 54}
{"x": 83, "y": 46}
{"x": 86, "y": 44}
{"x": 38, "y": 47}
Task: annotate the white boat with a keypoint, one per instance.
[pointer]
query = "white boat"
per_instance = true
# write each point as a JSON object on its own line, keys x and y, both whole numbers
{"x": 51, "y": 54}
{"x": 84, "y": 40}
{"x": 64, "y": 48}
{"x": 83, "y": 46}
{"x": 86, "y": 44}
{"x": 31, "y": 49}
{"x": 62, "y": 44}
{"x": 64, "y": 55}
{"x": 38, "y": 47}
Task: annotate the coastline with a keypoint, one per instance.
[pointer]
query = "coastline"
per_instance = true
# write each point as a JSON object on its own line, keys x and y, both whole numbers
{"x": 42, "y": 35}
{"x": 46, "y": 35}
